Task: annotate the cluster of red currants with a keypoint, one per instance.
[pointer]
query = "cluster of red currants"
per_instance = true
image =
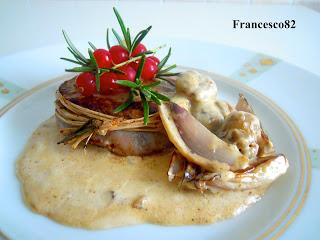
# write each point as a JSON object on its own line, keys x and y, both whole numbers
{"x": 86, "y": 81}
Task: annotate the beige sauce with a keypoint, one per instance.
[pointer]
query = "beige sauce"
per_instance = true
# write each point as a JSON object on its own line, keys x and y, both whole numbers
{"x": 97, "y": 189}
{"x": 197, "y": 93}
{"x": 242, "y": 129}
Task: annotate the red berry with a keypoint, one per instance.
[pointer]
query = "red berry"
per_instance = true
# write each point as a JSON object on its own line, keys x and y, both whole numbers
{"x": 86, "y": 83}
{"x": 149, "y": 69}
{"x": 134, "y": 65}
{"x": 108, "y": 80}
{"x": 129, "y": 73}
{"x": 155, "y": 59}
{"x": 103, "y": 58}
{"x": 119, "y": 54}
{"x": 140, "y": 48}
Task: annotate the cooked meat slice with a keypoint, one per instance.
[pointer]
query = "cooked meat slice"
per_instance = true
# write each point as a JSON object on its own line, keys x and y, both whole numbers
{"x": 120, "y": 142}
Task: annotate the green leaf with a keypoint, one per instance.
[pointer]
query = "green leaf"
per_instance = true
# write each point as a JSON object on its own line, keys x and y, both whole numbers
{"x": 145, "y": 53}
{"x": 167, "y": 74}
{"x": 166, "y": 80}
{"x": 71, "y": 60}
{"x": 80, "y": 131}
{"x": 167, "y": 69}
{"x": 127, "y": 83}
{"x": 77, "y": 57}
{"x": 98, "y": 81}
{"x": 75, "y": 50}
{"x": 118, "y": 38}
{"x": 155, "y": 99}
{"x": 80, "y": 69}
{"x": 164, "y": 60}
{"x": 123, "y": 28}
{"x": 138, "y": 81}
{"x": 92, "y": 46}
{"x": 146, "y": 93}
{"x": 107, "y": 39}
{"x": 73, "y": 135}
{"x": 111, "y": 70}
{"x": 156, "y": 83}
{"x": 160, "y": 96}
{"x": 124, "y": 105}
{"x": 138, "y": 38}
{"x": 95, "y": 64}
{"x": 92, "y": 58}
{"x": 129, "y": 38}
{"x": 140, "y": 67}
{"x": 146, "y": 109}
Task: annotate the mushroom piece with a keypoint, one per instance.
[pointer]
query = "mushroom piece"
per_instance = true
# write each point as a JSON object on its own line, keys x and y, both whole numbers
{"x": 206, "y": 162}
{"x": 269, "y": 169}
{"x": 196, "y": 143}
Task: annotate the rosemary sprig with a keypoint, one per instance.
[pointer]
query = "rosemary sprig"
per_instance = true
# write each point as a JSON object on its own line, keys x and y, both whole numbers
{"x": 118, "y": 38}
{"x": 87, "y": 127}
{"x": 97, "y": 70}
{"x": 166, "y": 80}
{"x": 71, "y": 60}
{"x": 167, "y": 69}
{"x": 81, "y": 69}
{"x": 107, "y": 39}
{"x": 164, "y": 60}
{"x": 73, "y": 49}
{"x": 146, "y": 108}
{"x": 114, "y": 70}
{"x": 164, "y": 73}
{"x": 84, "y": 62}
{"x": 126, "y": 34}
{"x": 138, "y": 38}
{"x": 92, "y": 46}
{"x": 137, "y": 88}
{"x": 129, "y": 45}
{"x": 167, "y": 74}
{"x": 126, "y": 104}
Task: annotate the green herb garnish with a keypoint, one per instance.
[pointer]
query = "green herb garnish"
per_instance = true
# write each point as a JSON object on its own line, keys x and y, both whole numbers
{"x": 145, "y": 92}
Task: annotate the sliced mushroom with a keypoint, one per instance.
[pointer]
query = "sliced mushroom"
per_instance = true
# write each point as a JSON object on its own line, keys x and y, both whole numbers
{"x": 206, "y": 162}
{"x": 197, "y": 143}
{"x": 269, "y": 169}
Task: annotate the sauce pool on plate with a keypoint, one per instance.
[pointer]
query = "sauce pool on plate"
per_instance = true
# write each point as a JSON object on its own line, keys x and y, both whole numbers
{"x": 96, "y": 189}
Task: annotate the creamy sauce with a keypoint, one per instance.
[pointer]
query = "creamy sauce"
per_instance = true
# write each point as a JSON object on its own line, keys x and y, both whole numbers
{"x": 197, "y": 93}
{"x": 97, "y": 189}
{"x": 242, "y": 129}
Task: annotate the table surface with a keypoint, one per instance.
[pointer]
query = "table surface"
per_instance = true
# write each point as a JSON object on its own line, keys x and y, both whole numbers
{"x": 29, "y": 27}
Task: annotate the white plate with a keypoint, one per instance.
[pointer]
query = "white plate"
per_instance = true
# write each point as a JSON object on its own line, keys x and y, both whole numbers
{"x": 266, "y": 219}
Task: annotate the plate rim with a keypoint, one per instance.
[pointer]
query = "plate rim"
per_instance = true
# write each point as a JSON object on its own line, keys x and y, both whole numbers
{"x": 294, "y": 208}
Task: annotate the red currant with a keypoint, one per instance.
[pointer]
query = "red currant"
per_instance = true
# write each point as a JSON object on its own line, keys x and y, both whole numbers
{"x": 149, "y": 69}
{"x": 155, "y": 59}
{"x": 129, "y": 73}
{"x": 108, "y": 84}
{"x": 119, "y": 54}
{"x": 86, "y": 83}
{"x": 134, "y": 65}
{"x": 140, "y": 48}
{"x": 103, "y": 58}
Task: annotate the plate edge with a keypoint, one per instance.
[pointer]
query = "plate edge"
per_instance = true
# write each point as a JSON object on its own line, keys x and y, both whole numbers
{"x": 297, "y": 133}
